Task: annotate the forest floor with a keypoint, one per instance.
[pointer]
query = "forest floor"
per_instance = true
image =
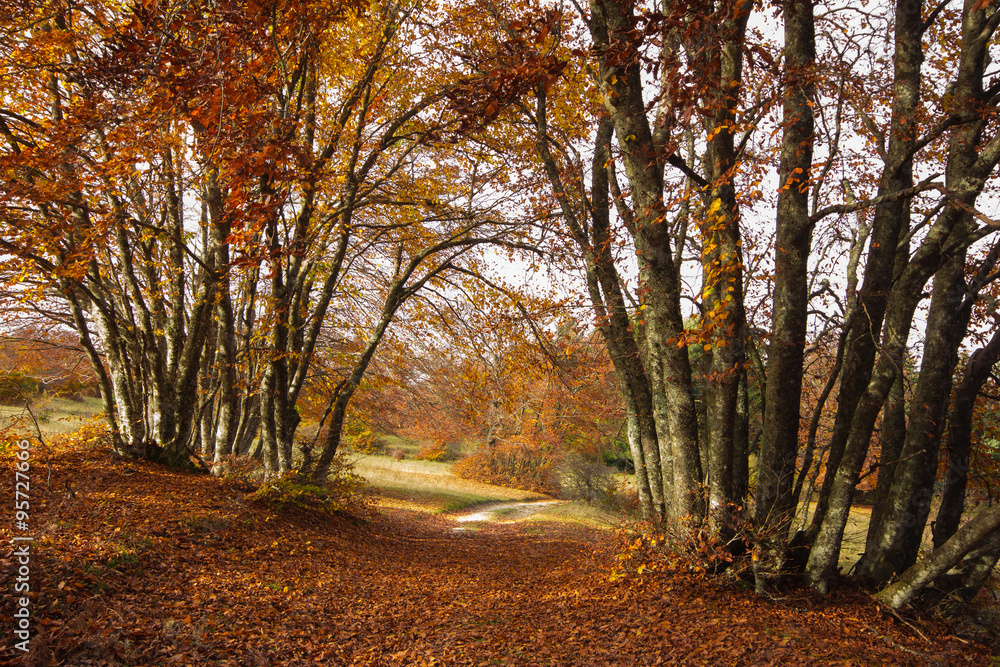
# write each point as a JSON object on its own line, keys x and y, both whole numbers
{"x": 135, "y": 564}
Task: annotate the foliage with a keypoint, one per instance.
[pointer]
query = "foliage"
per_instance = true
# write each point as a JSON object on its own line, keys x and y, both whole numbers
{"x": 360, "y": 438}
{"x": 36, "y": 358}
{"x": 248, "y": 211}
{"x": 94, "y": 432}
{"x": 244, "y": 472}
{"x": 16, "y": 387}
{"x": 594, "y": 483}
{"x": 341, "y": 491}
{"x": 518, "y": 372}
{"x": 520, "y": 465}
{"x": 644, "y": 547}
{"x": 438, "y": 451}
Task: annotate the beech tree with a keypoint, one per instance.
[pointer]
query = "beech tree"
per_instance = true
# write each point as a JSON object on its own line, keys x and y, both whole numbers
{"x": 314, "y": 181}
{"x": 914, "y": 231}
{"x": 227, "y": 201}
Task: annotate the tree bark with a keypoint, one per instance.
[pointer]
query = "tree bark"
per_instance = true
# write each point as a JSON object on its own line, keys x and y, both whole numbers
{"x": 977, "y": 371}
{"x": 722, "y": 269}
{"x": 666, "y": 354}
{"x": 775, "y": 508}
{"x": 889, "y": 220}
{"x": 980, "y": 528}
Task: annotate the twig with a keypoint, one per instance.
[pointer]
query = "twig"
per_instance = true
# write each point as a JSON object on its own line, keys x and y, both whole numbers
{"x": 41, "y": 441}
{"x": 890, "y": 642}
{"x": 915, "y": 629}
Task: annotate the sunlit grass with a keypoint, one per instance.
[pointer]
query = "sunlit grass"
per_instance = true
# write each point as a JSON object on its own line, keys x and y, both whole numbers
{"x": 576, "y": 513}
{"x": 54, "y": 415}
{"x": 430, "y": 485}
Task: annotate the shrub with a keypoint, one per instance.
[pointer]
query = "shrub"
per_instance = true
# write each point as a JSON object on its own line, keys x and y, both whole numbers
{"x": 357, "y": 436}
{"x": 437, "y": 451}
{"x": 94, "y": 432}
{"x": 242, "y": 470}
{"x": 365, "y": 442}
{"x": 341, "y": 491}
{"x": 16, "y": 387}
{"x": 686, "y": 548}
{"x": 590, "y": 481}
{"x": 519, "y": 465}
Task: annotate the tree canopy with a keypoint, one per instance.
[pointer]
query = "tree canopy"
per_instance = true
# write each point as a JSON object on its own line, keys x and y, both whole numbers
{"x": 246, "y": 210}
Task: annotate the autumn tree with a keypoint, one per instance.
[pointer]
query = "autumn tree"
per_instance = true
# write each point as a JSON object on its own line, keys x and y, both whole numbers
{"x": 314, "y": 180}
{"x": 655, "y": 71}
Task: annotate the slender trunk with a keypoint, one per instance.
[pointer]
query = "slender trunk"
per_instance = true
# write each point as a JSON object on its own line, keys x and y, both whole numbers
{"x": 977, "y": 371}
{"x": 103, "y": 380}
{"x": 980, "y": 528}
{"x": 894, "y": 544}
{"x": 775, "y": 496}
{"x": 741, "y": 442}
{"x": 891, "y": 438}
{"x": 722, "y": 269}
{"x": 666, "y": 356}
{"x": 890, "y": 218}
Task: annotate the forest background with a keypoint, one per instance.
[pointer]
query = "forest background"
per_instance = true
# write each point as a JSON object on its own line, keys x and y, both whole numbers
{"x": 770, "y": 252}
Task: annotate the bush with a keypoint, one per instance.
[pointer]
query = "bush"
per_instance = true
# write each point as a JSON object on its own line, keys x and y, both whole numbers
{"x": 365, "y": 442}
{"x": 240, "y": 469}
{"x": 341, "y": 491}
{"x": 16, "y": 387}
{"x": 592, "y": 482}
{"x": 645, "y": 548}
{"x": 438, "y": 451}
{"x": 520, "y": 465}
{"x": 94, "y": 432}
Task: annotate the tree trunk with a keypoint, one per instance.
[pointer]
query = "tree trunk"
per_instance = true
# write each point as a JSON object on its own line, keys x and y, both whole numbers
{"x": 608, "y": 301}
{"x": 722, "y": 269}
{"x": 889, "y": 220}
{"x": 980, "y": 528}
{"x": 775, "y": 508}
{"x": 894, "y": 544}
{"x": 667, "y": 361}
{"x": 977, "y": 371}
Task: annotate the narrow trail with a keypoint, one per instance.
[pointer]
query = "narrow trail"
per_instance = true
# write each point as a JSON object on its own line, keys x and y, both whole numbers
{"x": 505, "y": 512}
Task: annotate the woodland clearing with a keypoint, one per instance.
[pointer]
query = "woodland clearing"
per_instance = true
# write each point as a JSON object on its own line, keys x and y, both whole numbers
{"x": 138, "y": 564}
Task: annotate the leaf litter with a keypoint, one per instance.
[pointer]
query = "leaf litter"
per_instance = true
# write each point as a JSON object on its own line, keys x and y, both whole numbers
{"x": 136, "y": 564}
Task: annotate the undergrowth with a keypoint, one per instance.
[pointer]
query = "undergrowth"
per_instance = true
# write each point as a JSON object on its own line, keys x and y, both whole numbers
{"x": 342, "y": 491}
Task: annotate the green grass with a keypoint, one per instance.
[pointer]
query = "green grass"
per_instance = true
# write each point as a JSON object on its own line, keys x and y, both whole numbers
{"x": 577, "y": 513}
{"x": 430, "y": 485}
{"x": 54, "y": 415}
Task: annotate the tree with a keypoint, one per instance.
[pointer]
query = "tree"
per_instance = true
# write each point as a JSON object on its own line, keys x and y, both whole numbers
{"x": 913, "y": 235}
{"x": 312, "y": 179}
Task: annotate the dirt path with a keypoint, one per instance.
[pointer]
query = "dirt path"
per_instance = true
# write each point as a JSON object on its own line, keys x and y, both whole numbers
{"x": 505, "y": 512}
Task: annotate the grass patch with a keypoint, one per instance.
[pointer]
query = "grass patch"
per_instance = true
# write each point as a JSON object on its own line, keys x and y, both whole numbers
{"x": 576, "y": 513}
{"x": 55, "y": 415}
{"x": 459, "y": 503}
{"x": 430, "y": 486}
